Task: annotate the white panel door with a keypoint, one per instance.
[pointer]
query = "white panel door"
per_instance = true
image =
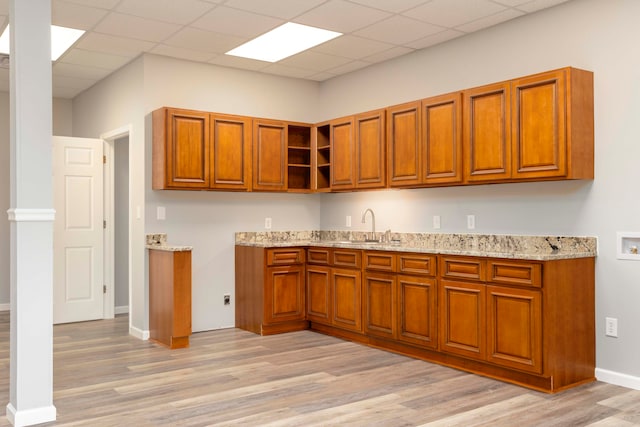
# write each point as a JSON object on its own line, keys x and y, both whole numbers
{"x": 78, "y": 229}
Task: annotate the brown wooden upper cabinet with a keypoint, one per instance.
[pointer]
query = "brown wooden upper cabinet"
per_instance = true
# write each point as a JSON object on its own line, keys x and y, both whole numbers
{"x": 195, "y": 150}
{"x": 358, "y": 151}
{"x": 425, "y": 141}
{"x": 533, "y": 128}
{"x": 281, "y": 156}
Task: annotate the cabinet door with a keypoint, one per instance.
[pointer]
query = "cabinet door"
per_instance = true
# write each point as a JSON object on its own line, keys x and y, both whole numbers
{"x": 514, "y": 328}
{"x": 403, "y": 145}
{"x": 380, "y": 304}
{"x": 231, "y": 154}
{"x": 539, "y": 126}
{"x": 462, "y": 318}
{"x": 487, "y": 133}
{"x": 417, "y": 311}
{"x": 269, "y": 155}
{"x": 319, "y": 294}
{"x": 187, "y": 149}
{"x": 284, "y": 294}
{"x": 370, "y": 150}
{"x": 343, "y": 153}
{"x": 442, "y": 139}
{"x": 347, "y": 299}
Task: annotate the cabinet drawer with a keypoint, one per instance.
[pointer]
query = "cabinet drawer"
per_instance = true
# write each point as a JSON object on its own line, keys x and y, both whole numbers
{"x": 462, "y": 268}
{"x": 347, "y": 258}
{"x": 515, "y": 273}
{"x": 380, "y": 261}
{"x": 285, "y": 256}
{"x": 417, "y": 264}
{"x": 319, "y": 256}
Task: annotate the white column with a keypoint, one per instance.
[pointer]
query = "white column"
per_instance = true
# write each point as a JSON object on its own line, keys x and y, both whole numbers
{"x": 31, "y": 215}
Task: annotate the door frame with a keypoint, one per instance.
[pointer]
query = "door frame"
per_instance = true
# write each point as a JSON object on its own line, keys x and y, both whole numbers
{"x": 109, "y": 140}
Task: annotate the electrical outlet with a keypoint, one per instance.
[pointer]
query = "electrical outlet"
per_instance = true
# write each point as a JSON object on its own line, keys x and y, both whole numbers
{"x": 436, "y": 222}
{"x": 227, "y": 299}
{"x": 471, "y": 222}
{"x": 611, "y": 327}
{"x": 348, "y": 221}
{"x": 267, "y": 223}
{"x": 161, "y": 213}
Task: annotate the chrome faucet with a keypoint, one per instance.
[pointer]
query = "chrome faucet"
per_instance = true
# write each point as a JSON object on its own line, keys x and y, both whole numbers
{"x": 372, "y": 237}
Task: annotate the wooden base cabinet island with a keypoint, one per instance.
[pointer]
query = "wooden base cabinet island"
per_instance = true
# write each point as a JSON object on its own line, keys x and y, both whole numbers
{"x": 528, "y": 322}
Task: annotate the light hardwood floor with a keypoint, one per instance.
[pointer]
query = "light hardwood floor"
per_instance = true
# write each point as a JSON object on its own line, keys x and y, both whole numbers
{"x": 103, "y": 377}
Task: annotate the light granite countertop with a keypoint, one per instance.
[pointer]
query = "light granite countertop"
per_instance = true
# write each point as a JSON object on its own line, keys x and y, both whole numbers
{"x": 158, "y": 242}
{"x": 540, "y": 248}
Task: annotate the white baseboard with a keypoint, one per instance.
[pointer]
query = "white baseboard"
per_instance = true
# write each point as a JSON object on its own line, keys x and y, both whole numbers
{"x": 30, "y": 417}
{"x": 5, "y": 307}
{"x": 122, "y": 309}
{"x": 618, "y": 378}
{"x": 138, "y": 333}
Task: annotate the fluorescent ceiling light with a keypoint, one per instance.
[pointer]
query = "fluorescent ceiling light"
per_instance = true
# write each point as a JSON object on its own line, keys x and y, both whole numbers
{"x": 282, "y": 42}
{"x": 62, "y": 38}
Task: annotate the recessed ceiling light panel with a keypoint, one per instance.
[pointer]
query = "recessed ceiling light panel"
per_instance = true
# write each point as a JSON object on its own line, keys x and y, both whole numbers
{"x": 282, "y": 42}
{"x": 62, "y": 38}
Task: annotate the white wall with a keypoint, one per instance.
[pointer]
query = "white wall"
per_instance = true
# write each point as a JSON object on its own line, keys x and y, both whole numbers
{"x": 208, "y": 220}
{"x": 61, "y": 126}
{"x": 600, "y": 36}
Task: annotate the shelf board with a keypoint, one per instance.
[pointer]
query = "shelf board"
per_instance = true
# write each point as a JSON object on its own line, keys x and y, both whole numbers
{"x": 298, "y": 165}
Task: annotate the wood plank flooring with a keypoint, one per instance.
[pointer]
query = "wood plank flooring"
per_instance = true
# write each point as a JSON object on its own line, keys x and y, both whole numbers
{"x": 104, "y": 377}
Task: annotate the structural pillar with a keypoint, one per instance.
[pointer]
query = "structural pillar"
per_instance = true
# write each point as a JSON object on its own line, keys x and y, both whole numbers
{"x": 31, "y": 215}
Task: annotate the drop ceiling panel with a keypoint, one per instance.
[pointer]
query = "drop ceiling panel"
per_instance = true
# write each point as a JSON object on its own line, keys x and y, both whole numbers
{"x": 341, "y": 16}
{"x": 314, "y": 61}
{"x": 349, "y": 67}
{"x": 236, "y": 22}
{"x": 206, "y": 41}
{"x": 394, "y": 52}
{"x": 134, "y": 27}
{"x": 73, "y": 15}
{"x": 284, "y": 9}
{"x": 352, "y": 47}
{"x": 113, "y": 44}
{"x": 489, "y": 21}
{"x": 451, "y": 13}
{"x": 182, "y": 53}
{"x": 80, "y": 71}
{"x": 434, "y": 39}
{"x": 395, "y": 6}
{"x": 536, "y": 5}
{"x": 100, "y": 4}
{"x": 172, "y": 11}
{"x": 75, "y": 83}
{"x": 283, "y": 70}
{"x": 94, "y": 59}
{"x": 399, "y": 30}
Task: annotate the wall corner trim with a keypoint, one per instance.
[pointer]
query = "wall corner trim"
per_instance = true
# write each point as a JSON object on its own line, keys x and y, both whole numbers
{"x": 31, "y": 215}
{"x": 618, "y": 378}
{"x": 32, "y": 416}
{"x": 138, "y": 333}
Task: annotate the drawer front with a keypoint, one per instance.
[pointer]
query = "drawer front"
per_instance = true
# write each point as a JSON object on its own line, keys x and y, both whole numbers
{"x": 462, "y": 268}
{"x": 417, "y": 264}
{"x": 519, "y": 273}
{"x": 319, "y": 256}
{"x": 285, "y": 256}
{"x": 347, "y": 258}
{"x": 380, "y": 261}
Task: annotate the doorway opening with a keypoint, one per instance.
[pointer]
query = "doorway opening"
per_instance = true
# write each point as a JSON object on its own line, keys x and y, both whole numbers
{"x": 117, "y": 230}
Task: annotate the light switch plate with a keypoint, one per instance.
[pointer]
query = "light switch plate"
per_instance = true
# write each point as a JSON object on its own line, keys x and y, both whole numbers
{"x": 161, "y": 213}
{"x": 436, "y": 222}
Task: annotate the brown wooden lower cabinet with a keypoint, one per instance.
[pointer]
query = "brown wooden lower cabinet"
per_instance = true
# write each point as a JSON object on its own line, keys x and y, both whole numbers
{"x": 530, "y": 323}
{"x": 270, "y": 289}
{"x": 170, "y": 297}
